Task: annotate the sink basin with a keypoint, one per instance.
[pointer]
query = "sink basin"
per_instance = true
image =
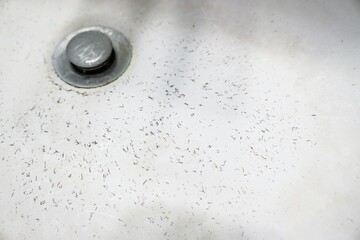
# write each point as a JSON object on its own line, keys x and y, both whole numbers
{"x": 235, "y": 120}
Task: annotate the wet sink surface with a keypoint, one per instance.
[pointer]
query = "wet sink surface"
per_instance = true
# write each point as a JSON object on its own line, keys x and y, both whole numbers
{"x": 235, "y": 120}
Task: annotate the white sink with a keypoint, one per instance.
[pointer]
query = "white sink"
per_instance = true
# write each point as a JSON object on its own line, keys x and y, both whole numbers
{"x": 235, "y": 120}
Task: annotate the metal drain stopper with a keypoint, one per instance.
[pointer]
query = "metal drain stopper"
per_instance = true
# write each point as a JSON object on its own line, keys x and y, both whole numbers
{"x": 89, "y": 51}
{"x": 92, "y": 57}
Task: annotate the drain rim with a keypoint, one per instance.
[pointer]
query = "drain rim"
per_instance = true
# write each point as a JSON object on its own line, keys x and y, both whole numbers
{"x": 122, "y": 51}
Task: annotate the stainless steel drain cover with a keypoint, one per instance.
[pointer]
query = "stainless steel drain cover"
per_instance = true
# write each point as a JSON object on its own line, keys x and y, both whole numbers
{"x": 92, "y": 57}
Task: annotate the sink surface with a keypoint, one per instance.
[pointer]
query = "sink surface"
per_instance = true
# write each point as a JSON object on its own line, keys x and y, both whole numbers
{"x": 235, "y": 120}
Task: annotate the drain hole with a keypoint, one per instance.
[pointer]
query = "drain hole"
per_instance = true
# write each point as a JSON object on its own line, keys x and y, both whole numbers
{"x": 99, "y": 69}
{"x": 92, "y": 57}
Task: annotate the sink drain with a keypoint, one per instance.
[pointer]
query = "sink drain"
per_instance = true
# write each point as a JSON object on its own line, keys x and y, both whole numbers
{"x": 92, "y": 57}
